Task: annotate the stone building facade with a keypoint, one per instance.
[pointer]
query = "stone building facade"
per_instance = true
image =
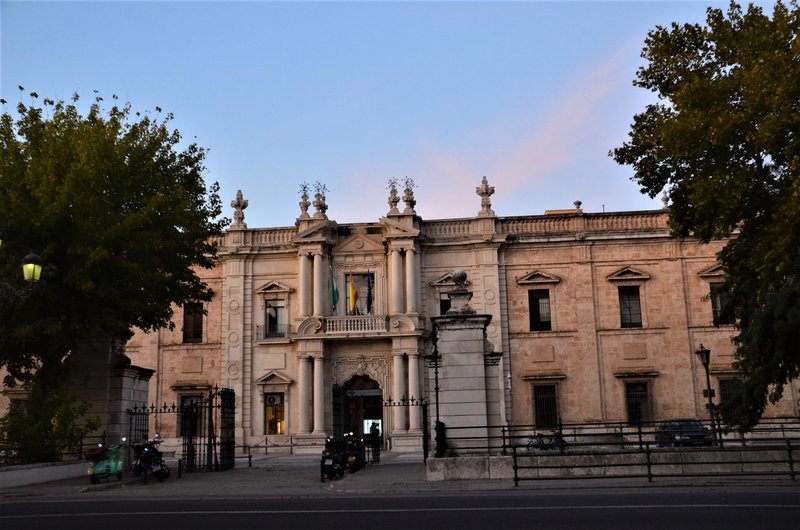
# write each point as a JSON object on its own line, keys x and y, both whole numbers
{"x": 586, "y": 317}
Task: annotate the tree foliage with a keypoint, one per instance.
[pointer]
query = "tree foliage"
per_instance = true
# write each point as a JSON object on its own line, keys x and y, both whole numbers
{"x": 119, "y": 213}
{"x": 43, "y": 430}
{"x": 724, "y": 140}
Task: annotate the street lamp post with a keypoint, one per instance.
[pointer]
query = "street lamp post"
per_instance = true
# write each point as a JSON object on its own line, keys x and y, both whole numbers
{"x": 704, "y": 355}
{"x": 31, "y": 272}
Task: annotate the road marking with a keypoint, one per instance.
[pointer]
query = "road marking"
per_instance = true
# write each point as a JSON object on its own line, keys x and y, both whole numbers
{"x": 406, "y": 510}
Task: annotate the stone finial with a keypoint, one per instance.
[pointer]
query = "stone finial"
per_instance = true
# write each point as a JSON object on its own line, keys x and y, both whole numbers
{"x": 577, "y": 205}
{"x": 665, "y": 200}
{"x": 238, "y": 204}
{"x": 394, "y": 198}
{"x": 304, "y": 202}
{"x": 408, "y": 196}
{"x": 459, "y": 296}
{"x": 319, "y": 201}
{"x": 485, "y": 191}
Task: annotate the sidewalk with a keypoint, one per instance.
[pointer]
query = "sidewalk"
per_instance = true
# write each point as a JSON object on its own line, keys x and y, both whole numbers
{"x": 299, "y": 476}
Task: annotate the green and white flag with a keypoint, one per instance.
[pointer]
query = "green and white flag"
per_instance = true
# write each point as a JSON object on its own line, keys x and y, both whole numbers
{"x": 334, "y": 291}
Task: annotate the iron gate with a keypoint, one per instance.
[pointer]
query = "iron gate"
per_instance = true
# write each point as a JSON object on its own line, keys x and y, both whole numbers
{"x": 206, "y": 427}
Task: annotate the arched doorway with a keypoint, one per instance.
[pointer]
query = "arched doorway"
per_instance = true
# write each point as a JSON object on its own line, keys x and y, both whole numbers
{"x": 359, "y": 404}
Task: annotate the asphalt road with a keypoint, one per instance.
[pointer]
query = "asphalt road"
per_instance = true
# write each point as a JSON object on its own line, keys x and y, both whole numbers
{"x": 620, "y": 509}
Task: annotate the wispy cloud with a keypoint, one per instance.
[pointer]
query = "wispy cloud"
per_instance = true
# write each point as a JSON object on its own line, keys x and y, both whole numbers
{"x": 515, "y": 165}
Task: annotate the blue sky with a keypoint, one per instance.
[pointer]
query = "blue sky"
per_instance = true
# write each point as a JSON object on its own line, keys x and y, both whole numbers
{"x": 530, "y": 94}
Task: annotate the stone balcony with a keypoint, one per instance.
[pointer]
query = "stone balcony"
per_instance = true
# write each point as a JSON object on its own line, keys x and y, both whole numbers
{"x": 368, "y": 324}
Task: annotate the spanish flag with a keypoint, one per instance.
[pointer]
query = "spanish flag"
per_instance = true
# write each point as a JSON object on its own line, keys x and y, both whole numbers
{"x": 353, "y": 295}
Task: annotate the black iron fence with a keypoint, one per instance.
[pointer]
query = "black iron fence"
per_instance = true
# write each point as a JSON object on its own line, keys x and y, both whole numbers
{"x": 652, "y": 462}
{"x": 206, "y": 427}
{"x": 650, "y": 450}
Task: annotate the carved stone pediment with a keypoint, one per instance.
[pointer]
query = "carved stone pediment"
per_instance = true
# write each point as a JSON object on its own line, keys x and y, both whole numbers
{"x": 538, "y": 277}
{"x": 628, "y": 274}
{"x": 321, "y": 232}
{"x": 274, "y": 287}
{"x": 713, "y": 272}
{"x": 359, "y": 244}
{"x": 446, "y": 280}
{"x": 273, "y": 377}
{"x": 392, "y": 229}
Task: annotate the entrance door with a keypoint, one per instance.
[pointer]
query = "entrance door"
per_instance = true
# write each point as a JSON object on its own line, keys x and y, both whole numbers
{"x": 361, "y": 405}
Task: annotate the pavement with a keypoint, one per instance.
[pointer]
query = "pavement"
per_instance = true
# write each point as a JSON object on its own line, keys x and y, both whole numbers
{"x": 299, "y": 476}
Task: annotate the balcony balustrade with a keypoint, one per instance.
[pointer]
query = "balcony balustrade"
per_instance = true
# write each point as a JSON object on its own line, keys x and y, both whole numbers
{"x": 356, "y": 324}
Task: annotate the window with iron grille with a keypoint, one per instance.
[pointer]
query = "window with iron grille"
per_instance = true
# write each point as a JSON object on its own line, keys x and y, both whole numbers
{"x": 719, "y": 297}
{"x": 545, "y": 406}
{"x": 637, "y": 402}
{"x": 630, "y": 309}
{"x": 193, "y": 323}
{"x": 728, "y": 388}
{"x": 539, "y": 309}
{"x": 274, "y": 413}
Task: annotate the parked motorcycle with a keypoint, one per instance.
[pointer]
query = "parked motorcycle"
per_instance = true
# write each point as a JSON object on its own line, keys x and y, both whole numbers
{"x": 106, "y": 461}
{"x": 355, "y": 457}
{"x": 555, "y": 441}
{"x": 149, "y": 460}
{"x": 331, "y": 464}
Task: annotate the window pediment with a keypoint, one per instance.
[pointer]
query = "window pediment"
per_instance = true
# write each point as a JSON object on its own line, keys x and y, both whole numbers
{"x": 628, "y": 274}
{"x": 715, "y": 272}
{"x": 274, "y": 377}
{"x": 537, "y": 278}
{"x": 273, "y": 287}
{"x": 446, "y": 281}
{"x": 637, "y": 372}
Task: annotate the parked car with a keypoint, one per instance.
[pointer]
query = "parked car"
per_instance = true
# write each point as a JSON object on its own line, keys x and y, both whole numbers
{"x": 683, "y": 432}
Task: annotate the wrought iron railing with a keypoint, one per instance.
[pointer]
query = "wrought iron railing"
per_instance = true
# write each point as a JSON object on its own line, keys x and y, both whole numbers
{"x": 272, "y": 331}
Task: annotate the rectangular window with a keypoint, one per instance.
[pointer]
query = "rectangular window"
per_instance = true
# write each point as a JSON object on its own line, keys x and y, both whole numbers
{"x": 539, "y": 309}
{"x": 719, "y": 298}
{"x": 193, "y": 322}
{"x": 191, "y": 416}
{"x": 275, "y": 322}
{"x": 273, "y": 413}
{"x": 444, "y": 303}
{"x": 637, "y": 402}
{"x": 360, "y": 295}
{"x": 630, "y": 310}
{"x": 545, "y": 406}
{"x": 728, "y": 388}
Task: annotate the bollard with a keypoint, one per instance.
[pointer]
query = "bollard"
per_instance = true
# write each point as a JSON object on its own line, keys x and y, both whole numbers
{"x": 180, "y": 467}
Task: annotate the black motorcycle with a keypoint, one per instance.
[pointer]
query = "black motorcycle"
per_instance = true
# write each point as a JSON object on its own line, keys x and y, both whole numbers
{"x": 355, "y": 453}
{"x": 332, "y": 463}
{"x": 148, "y": 460}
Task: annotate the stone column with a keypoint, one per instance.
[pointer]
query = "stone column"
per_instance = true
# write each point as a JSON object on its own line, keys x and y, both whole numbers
{"x": 414, "y": 412}
{"x": 305, "y": 288}
{"x": 319, "y": 394}
{"x": 411, "y": 281}
{"x": 395, "y": 282}
{"x": 319, "y": 285}
{"x": 398, "y": 392}
{"x": 304, "y": 391}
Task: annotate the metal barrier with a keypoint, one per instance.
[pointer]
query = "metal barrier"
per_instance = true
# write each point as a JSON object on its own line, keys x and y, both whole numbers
{"x": 756, "y": 459}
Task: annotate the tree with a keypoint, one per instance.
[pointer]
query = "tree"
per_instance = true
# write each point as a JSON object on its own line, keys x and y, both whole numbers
{"x": 724, "y": 141}
{"x": 120, "y": 215}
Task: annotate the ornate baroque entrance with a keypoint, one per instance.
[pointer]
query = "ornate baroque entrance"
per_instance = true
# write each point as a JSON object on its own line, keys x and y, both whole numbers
{"x": 357, "y": 405}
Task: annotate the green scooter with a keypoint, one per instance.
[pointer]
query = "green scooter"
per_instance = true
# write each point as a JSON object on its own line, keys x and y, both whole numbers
{"x": 104, "y": 462}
